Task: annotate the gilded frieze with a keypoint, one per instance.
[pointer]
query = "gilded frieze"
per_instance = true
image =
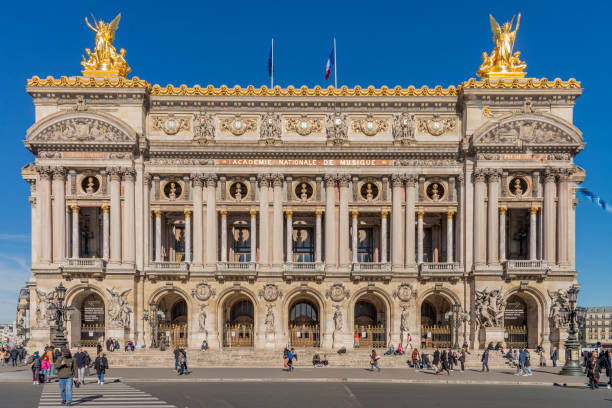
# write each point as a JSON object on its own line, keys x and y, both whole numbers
{"x": 436, "y": 126}
{"x": 169, "y": 124}
{"x": 304, "y": 125}
{"x": 369, "y": 126}
{"x": 238, "y": 125}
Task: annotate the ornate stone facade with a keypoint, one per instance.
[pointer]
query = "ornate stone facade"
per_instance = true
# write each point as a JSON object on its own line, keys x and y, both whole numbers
{"x": 303, "y": 225}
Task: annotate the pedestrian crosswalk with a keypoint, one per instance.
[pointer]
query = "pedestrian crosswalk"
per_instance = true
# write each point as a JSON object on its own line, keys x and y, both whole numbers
{"x": 109, "y": 395}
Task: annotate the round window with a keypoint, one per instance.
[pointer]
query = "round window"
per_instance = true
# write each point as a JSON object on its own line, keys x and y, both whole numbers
{"x": 435, "y": 191}
{"x": 303, "y": 191}
{"x": 369, "y": 191}
{"x": 518, "y": 186}
{"x": 90, "y": 184}
{"x": 238, "y": 190}
{"x": 172, "y": 190}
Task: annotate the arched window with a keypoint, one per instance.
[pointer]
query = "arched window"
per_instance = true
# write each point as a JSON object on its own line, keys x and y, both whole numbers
{"x": 242, "y": 311}
{"x": 303, "y": 312}
{"x": 179, "y": 310}
{"x": 428, "y": 314}
{"x": 365, "y": 313}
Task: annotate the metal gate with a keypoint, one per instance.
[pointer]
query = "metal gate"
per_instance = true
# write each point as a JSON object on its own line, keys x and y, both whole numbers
{"x": 516, "y": 336}
{"x": 176, "y": 334}
{"x": 238, "y": 335}
{"x": 436, "y": 336}
{"x": 371, "y": 336}
{"x": 91, "y": 335}
{"x": 305, "y": 335}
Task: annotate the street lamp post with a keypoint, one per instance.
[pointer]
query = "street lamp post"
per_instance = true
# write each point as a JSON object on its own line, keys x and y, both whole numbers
{"x": 61, "y": 315}
{"x": 457, "y": 322}
{"x": 151, "y": 315}
{"x": 572, "y": 346}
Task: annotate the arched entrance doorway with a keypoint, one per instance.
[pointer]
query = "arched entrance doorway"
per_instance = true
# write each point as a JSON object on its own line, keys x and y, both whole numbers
{"x": 173, "y": 320}
{"x": 515, "y": 322}
{"x": 435, "y": 322}
{"x": 92, "y": 321}
{"x": 239, "y": 318}
{"x": 370, "y": 323}
{"x": 304, "y": 328}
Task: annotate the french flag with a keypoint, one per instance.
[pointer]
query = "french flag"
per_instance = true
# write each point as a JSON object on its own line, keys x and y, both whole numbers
{"x": 330, "y": 63}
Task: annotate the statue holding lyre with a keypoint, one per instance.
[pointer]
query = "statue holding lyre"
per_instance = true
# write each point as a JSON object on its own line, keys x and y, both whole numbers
{"x": 104, "y": 60}
{"x": 503, "y": 61}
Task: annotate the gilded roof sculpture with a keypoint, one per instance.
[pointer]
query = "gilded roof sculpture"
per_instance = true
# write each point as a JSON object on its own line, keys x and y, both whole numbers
{"x": 104, "y": 61}
{"x": 503, "y": 61}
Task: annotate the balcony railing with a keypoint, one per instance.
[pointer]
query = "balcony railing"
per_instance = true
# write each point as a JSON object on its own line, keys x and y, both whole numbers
{"x": 372, "y": 267}
{"x": 440, "y": 267}
{"x": 83, "y": 266}
{"x": 522, "y": 264}
{"x": 236, "y": 266}
{"x": 170, "y": 266}
{"x": 304, "y": 266}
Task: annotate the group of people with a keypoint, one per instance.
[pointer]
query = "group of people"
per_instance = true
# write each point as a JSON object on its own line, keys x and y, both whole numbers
{"x": 392, "y": 351}
{"x": 12, "y": 355}
{"x": 317, "y": 361}
{"x": 112, "y": 345}
{"x": 595, "y": 364}
{"x": 289, "y": 356}
{"x": 180, "y": 361}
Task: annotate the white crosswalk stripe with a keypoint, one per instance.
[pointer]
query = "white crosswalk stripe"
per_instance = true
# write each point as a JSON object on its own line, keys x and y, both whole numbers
{"x": 109, "y": 395}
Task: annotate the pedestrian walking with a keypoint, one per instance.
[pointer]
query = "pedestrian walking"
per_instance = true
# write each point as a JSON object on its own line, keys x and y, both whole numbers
{"x": 81, "y": 362}
{"x": 176, "y": 353}
{"x": 443, "y": 363}
{"x": 554, "y": 356}
{"x": 14, "y": 356}
{"x": 425, "y": 360}
{"x": 356, "y": 340}
{"x": 51, "y": 357}
{"x": 527, "y": 363}
{"x": 45, "y": 368}
{"x": 374, "y": 357}
{"x": 36, "y": 365}
{"x": 101, "y": 365}
{"x": 592, "y": 372}
{"x": 485, "y": 361}
{"x": 65, "y": 368}
{"x": 286, "y": 362}
{"x": 182, "y": 363}
{"x": 436, "y": 359}
{"x": 462, "y": 358}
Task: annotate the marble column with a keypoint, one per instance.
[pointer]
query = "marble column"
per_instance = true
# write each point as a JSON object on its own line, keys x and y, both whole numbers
{"x": 449, "y": 236}
{"x": 75, "y": 231}
{"x": 129, "y": 217}
{"x": 211, "y": 219}
{"x": 533, "y": 246}
{"x": 105, "y": 232}
{"x": 330, "y": 220}
{"x": 563, "y": 215}
{"x": 420, "y": 236}
{"x": 289, "y": 235}
{"x": 277, "y": 220}
{"x": 479, "y": 221}
{"x": 44, "y": 197}
{"x": 59, "y": 214}
{"x": 146, "y": 219}
{"x": 383, "y": 235}
{"x": 198, "y": 232}
{"x": 115, "y": 215}
{"x": 187, "y": 235}
{"x": 223, "y": 214}
{"x": 253, "y": 237}
{"x": 158, "y": 231}
{"x": 318, "y": 235}
{"x": 68, "y": 234}
{"x": 343, "y": 225}
{"x": 493, "y": 217}
{"x": 354, "y": 235}
{"x": 410, "y": 225}
{"x": 502, "y": 233}
{"x": 549, "y": 216}
{"x": 264, "y": 219}
{"x": 397, "y": 254}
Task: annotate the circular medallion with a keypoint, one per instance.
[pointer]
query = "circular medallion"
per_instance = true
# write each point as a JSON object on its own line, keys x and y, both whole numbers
{"x": 405, "y": 292}
{"x": 370, "y": 125}
{"x": 238, "y": 124}
{"x": 171, "y": 125}
{"x": 270, "y": 292}
{"x": 303, "y": 125}
{"x": 338, "y": 121}
{"x": 203, "y": 291}
{"x": 337, "y": 292}
{"x": 436, "y": 126}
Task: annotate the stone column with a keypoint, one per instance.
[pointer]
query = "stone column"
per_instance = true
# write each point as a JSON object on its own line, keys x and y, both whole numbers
{"x": 139, "y": 219}
{"x": 563, "y": 217}
{"x": 198, "y": 245}
{"x": 479, "y": 225}
{"x": 318, "y": 235}
{"x": 115, "y": 200}
{"x": 354, "y": 235}
{"x": 75, "y": 231}
{"x": 59, "y": 214}
{"x": 502, "y": 233}
{"x": 289, "y": 214}
{"x": 146, "y": 219}
{"x": 223, "y": 214}
{"x": 68, "y": 234}
{"x": 187, "y": 235}
{"x": 533, "y": 233}
{"x": 253, "y": 237}
{"x": 44, "y": 197}
{"x": 105, "y": 231}
{"x": 277, "y": 220}
{"x": 330, "y": 220}
{"x": 410, "y": 212}
{"x": 493, "y": 218}
{"x": 383, "y": 235}
{"x": 549, "y": 216}
{"x": 211, "y": 219}
{"x": 421, "y": 235}
{"x": 129, "y": 216}
{"x": 264, "y": 219}
{"x": 343, "y": 225}
{"x": 460, "y": 218}
{"x": 35, "y": 222}
{"x": 449, "y": 236}
{"x": 158, "y": 230}
{"x": 397, "y": 253}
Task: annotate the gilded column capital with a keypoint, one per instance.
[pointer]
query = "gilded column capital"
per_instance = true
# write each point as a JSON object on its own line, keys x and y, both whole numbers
{"x": 344, "y": 180}
{"x": 105, "y": 208}
{"x": 502, "y": 210}
{"x": 411, "y": 179}
{"x": 450, "y": 214}
{"x": 211, "y": 179}
{"x": 534, "y": 210}
{"x": 74, "y": 208}
{"x": 331, "y": 180}
{"x": 318, "y": 212}
{"x": 289, "y": 213}
{"x": 253, "y": 212}
{"x": 277, "y": 179}
{"x": 420, "y": 214}
{"x": 157, "y": 213}
{"x": 397, "y": 180}
{"x": 59, "y": 172}
{"x": 354, "y": 213}
{"x": 223, "y": 213}
{"x": 384, "y": 213}
{"x": 187, "y": 213}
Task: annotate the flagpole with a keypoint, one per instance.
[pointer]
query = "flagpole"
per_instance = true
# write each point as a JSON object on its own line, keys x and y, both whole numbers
{"x": 272, "y": 73}
{"x": 335, "y": 66}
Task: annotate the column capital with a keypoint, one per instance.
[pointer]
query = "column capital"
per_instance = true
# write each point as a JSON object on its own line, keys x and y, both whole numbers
{"x": 253, "y": 212}
{"x": 115, "y": 173}
{"x": 223, "y": 213}
{"x": 197, "y": 179}
{"x": 411, "y": 179}
{"x": 59, "y": 172}
{"x": 420, "y": 214}
{"x": 211, "y": 179}
{"x": 331, "y": 180}
{"x": 493, "y": 175}
{"x": 147, "y": 178}
{"x": 384, "y": 213}
{"x": 318, "y": 212}
{"x": 128, "y": 174}
{"x": 450, "y": 214}
{"x": 74, "y": 208}
{"x": 479, "y": 175}
{"x": 550, "y": 175}
{"x": 187, "y": 212}
{"x": 460, "y": 178}
{"x": 105, "y": 208}
{"x": 277, "y": 179}
{"x": 289, "y": 213}
{"x": 534, "y": 210}
{"x": 344, "y": 180}
{"x": 502, "y": 210}
{"x": 397, "y": 180}
{"x": 354, "y": 213}
{"x": 264, "y": 179}
{"x": 44, "y": 172}
{"x": 157, "y": 213}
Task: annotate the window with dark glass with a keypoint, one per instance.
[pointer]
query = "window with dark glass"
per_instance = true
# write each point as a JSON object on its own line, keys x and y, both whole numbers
{"x": 303, "y": 245}
{"x": 303, "y": 313}
{"x": 365, "y": 245}
{"x": 241, "y": 244}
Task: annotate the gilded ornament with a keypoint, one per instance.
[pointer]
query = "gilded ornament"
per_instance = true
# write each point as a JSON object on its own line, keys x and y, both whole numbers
{"x": 503, "y": 61}
{"x": 170, "y": 124}
{"x": 369, "y": 126}
{"x": 104, "y": 61}
{"x": 437, "y": 126}
{"x": 238, "y": 126}
{"x": 304, "y": 126}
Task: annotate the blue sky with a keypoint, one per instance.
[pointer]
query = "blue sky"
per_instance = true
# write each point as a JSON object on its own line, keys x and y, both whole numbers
{"x": 379, "y": 43}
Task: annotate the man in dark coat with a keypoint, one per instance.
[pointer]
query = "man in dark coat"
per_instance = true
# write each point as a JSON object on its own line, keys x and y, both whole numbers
{"x": 436, "y": 359}
{"x": 485, "y": 361}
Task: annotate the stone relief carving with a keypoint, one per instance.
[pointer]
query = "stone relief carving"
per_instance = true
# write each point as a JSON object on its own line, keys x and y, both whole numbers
{"x": 369, "y": 126}
{"x": 169, "y": 124}
{"x": 304, "y": 126}
{"x": 337, "y": 292}
{"x": 238, "y": 126}
{"x": 338, "y": 318}
{"x": 337, "y": 129}
{"x": 43, "y": 315}
{"x": 203, "y": 128}
{"x": 81, "y": 130}
{"x": 559, "y": 302}
{"x": 270, "y": 130}
{"x": 120, "y": 155}
{"x": 119, "y": 309}
{"x": 270, "y": 292}
{"x": 489, "y": 307}
{"x": 405, "y": 292}
{"x": 403, "y": 128}
{"x": 202, "y": 317}
{"x": 50, "y": 155}
{"x": 527, "y": 129}
{"x": 404, "y": 320}
{"x": 203, "y": 291}
{"x": 269, "y": 323}
{"x": 437, "y": 126}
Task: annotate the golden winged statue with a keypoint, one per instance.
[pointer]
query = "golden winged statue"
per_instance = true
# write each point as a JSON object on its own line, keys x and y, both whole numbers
{"x": 104, "y": 61}
{"x": 503, "y": 61}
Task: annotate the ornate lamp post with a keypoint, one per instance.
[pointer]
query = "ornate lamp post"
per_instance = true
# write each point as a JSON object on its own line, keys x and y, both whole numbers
{"x": 572, "y": 346}
{"x": 455, "y": 316}
{"x": 61, "y": 316}
{"x": 151, "y": 315}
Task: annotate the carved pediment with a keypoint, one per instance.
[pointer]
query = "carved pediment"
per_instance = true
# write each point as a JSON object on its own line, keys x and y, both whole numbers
{"x": 528, "y": 130}
{"x": 80, "y": 127}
